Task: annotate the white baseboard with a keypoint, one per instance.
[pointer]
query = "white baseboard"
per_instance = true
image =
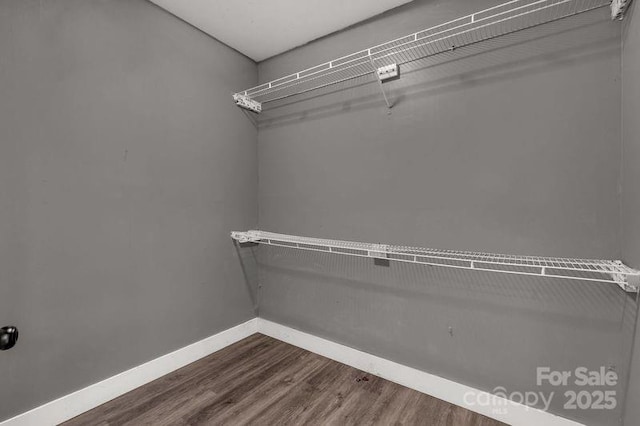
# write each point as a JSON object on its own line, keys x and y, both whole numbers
{"x": 501, "y": 409}
{"x": 78, "y": 402}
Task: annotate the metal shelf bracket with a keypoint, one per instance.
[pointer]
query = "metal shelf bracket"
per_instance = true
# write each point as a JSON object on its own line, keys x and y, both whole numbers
{"x": 244, "y": 101}
{"x": 379, "y": 80}
{"x": 628, "y": 282}
{"x": 246, "y": 237}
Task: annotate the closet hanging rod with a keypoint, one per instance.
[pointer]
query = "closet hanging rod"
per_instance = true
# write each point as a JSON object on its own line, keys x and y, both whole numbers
{"x": 506, "y": 18}
{"x": 603, "y": 271}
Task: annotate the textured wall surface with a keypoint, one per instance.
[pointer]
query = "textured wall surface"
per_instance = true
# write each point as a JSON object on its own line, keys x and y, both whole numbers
{"x": 631, "y": 177}
{"x": 512, "y": 146}
{"x": 123, "y": 166}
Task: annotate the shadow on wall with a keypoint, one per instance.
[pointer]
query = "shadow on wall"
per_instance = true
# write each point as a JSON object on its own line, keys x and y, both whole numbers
{"x": 577, "y": 39}
{"x": 483, "y": 329}
{"x": 249, "y": 265}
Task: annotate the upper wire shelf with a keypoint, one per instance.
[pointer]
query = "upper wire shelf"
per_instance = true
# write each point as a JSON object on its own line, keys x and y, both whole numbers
{"x": 484, "y": 25}
{"x": 604, "y": 271}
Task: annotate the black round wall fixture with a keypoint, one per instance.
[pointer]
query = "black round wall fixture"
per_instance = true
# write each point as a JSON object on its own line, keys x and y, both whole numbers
{"x": 8, "y": 337}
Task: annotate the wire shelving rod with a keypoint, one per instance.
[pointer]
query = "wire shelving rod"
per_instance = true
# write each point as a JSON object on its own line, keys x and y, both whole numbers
{"x": 595, "y": 270}
{"x": 506, "y": 18}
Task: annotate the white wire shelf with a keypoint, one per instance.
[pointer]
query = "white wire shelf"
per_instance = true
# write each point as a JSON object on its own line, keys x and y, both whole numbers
{"x": 484, "y": 25}
{"x": 604, "y": 271}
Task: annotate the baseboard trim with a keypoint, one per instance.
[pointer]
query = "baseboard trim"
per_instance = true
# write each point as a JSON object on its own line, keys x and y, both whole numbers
{"x": 76, "y": 403}
{"x": 502, "y": 409}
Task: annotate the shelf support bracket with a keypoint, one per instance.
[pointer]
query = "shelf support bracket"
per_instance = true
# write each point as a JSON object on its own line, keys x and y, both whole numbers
{"x": 628, "y": 282}
{"x": 244, "y": 101}
{"x": 375, "y": 72}
{"x": 379, "y": 251}
{"x": 246, "y": 237}
{"x": 619, "y": 9}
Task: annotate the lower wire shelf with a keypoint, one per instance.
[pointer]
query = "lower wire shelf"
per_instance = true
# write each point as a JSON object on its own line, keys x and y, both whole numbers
{"x": 604, "y": 271}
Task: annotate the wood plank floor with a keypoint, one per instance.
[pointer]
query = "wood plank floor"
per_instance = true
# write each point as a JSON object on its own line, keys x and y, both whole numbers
{"x": 263, "y": 381}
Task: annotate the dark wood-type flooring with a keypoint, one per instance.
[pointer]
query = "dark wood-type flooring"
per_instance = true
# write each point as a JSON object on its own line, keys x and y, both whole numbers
{"x": 263, "y": 381}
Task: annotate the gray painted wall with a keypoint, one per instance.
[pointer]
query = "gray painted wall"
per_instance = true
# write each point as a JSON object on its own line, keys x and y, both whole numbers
{"x": 513, "y": 147}
{"x": 123, "y": 167}
{"x": 631, "y": 177}
{"x": 631, "y": 137}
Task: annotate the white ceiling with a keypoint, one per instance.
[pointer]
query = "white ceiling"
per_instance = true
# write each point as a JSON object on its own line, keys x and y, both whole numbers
{"x": 263, "y": 28}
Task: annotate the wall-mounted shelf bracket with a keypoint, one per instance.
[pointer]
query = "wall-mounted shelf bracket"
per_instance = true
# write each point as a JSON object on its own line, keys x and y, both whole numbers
{"x": 619, "y": 9}
{"x": 379, "y": 251}
{"x": 628, "y": 282}
{"x": 246, "y": 237}
{"x": 244, "y": 101}
{"x": 380, "y": 80}
{"x": 388, "y": 72}
{"x": 588, "y": 270}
